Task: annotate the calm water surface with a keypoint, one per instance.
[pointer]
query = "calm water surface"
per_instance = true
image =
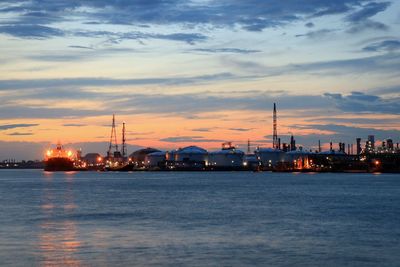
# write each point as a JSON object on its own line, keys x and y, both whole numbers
{"x": 198, "y": 219}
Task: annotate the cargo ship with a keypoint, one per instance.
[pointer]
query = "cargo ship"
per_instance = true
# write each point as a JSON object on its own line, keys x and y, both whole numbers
{"x": 59, "y": 159}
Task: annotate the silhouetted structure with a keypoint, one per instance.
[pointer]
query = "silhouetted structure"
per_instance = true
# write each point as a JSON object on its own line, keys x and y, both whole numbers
{"x": 358, "y": 146}
{"x": 275, "y": 143}
{"x": 113, "y": 142}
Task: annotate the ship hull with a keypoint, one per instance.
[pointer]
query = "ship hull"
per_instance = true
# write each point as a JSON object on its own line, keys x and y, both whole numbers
{"x": 59, "y": 164}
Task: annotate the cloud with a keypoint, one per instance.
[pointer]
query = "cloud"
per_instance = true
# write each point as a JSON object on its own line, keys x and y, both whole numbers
{"x": 368, "y": 25}
{"x": 189, "y": 139}
{"x": 31, "y": 31}
{"x": 360, "y": 20}
{"x": 241, "y": 129}
{"x": 317, "y": 34}
{"x": 202, "y": 129}
{"x": 251, "y": 15}
{"x": 81, "y": 47}
{"x": 367, "y": 11}
{"x": 371, "y": 121}
{"x": 309, "y": 25}
{"x": 17, "y": 111}
{"x": 22, "y": 150}
{"x": 350, "y": 133}
{"x": 117, "y": 37}
{"x": 19, "y": 134}
{"x": 359, "y": 102}
{"x": 383, "y": 64}
{"x": 227, "y": 50}
{"x": 202, "y": 102}
{"x": 386, "y": 45}
{"x": 386, "y": 90}
{"x": 20, "y": 125}
{"x": 104, "y": 82}
{"x": 74, "y": 125}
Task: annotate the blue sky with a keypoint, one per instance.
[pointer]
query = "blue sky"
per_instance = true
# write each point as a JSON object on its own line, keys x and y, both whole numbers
{"x": 181, "y": 72}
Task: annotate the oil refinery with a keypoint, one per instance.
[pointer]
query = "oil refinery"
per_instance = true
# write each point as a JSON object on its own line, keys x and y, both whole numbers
{"x": 282, "y": 156}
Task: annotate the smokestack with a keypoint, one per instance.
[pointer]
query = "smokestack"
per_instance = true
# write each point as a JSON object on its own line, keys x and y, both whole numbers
{"x": 358, "y": 146}
{"x": 292, "y": 143}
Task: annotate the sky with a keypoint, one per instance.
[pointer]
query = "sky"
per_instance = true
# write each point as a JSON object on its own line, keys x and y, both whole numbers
{"x": 197, "y": 72}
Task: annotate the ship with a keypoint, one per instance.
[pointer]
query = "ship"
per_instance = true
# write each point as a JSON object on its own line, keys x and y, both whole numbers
{"x": 58, "y": 159}
{"x": 117, "y": 160}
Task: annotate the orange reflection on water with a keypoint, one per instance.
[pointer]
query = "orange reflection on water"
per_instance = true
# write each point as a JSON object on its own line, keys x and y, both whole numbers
{"x": 58, "y": 242}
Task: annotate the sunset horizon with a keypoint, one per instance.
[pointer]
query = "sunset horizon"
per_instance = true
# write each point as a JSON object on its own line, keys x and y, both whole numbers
{"x": 178, "y": 79}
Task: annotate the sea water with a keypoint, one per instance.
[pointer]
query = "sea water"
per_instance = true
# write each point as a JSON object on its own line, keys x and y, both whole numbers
{"x": 198, "y": 219}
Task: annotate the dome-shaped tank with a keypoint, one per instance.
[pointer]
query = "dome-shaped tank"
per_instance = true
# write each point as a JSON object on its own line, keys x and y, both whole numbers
{"x": 155, "y": 159}
{"x": 191, "y": 153}
{"x": 269, "y": 157}
{"x": 227, "y": 157}
{"x": 138, "y": 157}
{"x": 191, "y": 157}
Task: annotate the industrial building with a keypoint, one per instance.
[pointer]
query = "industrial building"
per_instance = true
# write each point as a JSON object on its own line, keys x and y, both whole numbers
{"x": 227, "y": 158}
{"x": 187, "y": 158}
{"x": 138, "y": 158}
{"x": 269, "y": 158}
{"x": 155, "y": 160}
{"x": 281, "y": 157}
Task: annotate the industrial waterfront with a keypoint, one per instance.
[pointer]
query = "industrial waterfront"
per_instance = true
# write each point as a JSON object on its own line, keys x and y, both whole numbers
{"x": 281, "y": 156}
{"x": 364, "y": 156}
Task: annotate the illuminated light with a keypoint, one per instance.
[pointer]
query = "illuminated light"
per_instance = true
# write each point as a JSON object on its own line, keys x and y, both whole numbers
{"x": 69, "y": 153}
{"x": 377, "y": 162}
{"x": 244, "y": 163}
{"x": 99, "y": 159}
{"x": 48, "y": 153}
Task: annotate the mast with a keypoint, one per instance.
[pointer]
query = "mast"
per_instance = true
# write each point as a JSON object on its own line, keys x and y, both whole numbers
{"x": 113, "y": 139}
{"x": 123, "y": 141}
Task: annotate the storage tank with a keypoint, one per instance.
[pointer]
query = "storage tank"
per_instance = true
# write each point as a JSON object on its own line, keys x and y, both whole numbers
{"x": 191, "y": 153}
{"x": 227, "y": 157}
{"x": 155, "y": 159}
{"x": 138, "y": 157}
{"x": 251, "y": 162}
{"x": 269, "y": 157}
{"x": 191, "y": 157}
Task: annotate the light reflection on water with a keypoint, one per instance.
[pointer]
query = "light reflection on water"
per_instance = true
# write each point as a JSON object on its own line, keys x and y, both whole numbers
{"x": 199, "y": 219}
{"x": 58, "y": 242}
